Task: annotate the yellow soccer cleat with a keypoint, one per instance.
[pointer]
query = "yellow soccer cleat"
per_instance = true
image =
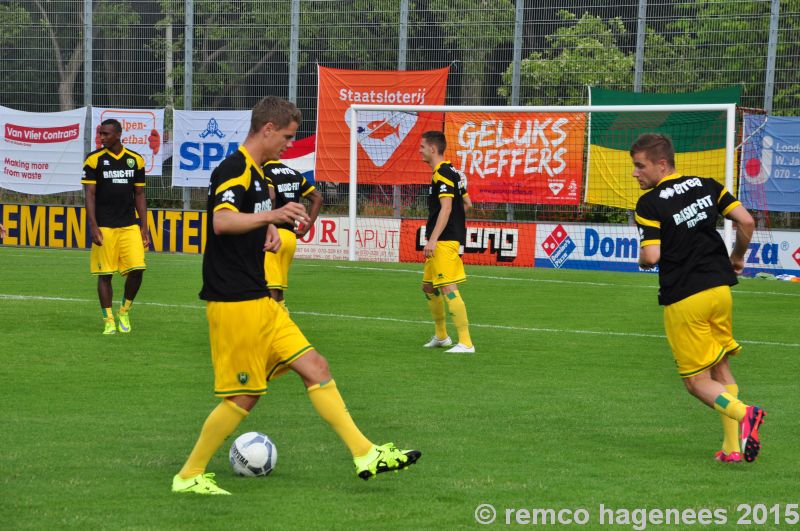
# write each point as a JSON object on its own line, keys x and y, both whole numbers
{"x": 384, "y": 459}
{"x": 109, "y": 327}
{"x": 200, "y": 484}
{"x": 124, "y": 323}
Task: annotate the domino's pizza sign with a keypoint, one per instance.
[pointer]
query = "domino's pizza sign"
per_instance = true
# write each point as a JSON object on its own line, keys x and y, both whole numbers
{"x": 202, "y": 140}
{"x": 558, "y": 246}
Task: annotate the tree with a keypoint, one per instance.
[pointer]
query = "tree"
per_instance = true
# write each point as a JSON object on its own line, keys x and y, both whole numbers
{"x": 584, "y": 52}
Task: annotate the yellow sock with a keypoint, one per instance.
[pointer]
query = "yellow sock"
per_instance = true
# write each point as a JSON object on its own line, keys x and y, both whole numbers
{"x": 436, "y": 305}
{"x": 108, "y": 315}
{"x": 730, "y": 406}
{"x": 225, "y": 418}
{"x": 125, "y": 307}
{"x": 730, "y": 428}
{"x": 459, "y": 312}
{"x": 328, "y": 402}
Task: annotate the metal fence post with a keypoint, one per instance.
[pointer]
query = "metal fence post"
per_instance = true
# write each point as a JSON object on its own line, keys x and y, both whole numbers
{"x": 519, "y": 19}
{"x": 402, "y": 47}
{"x": 294, "y": 50}
{"x": 188, "y": 54}
{"x": 641, "y": 35}
{"x": 772, "y": 48}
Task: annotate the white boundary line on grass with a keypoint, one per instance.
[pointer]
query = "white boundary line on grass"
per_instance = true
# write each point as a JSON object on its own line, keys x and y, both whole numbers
{"x": 6, "y": 296}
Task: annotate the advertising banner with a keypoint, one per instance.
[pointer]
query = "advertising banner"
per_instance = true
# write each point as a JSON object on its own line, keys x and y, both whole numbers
{"x": 518, "y": 158}
{"x": 142, "y": 132}
{"x": 388, "y": 141}
{"x": 202, "y": 139}
{"x": 377, "y": 239}
{"x": 41, "y": 152}
{"x": 487, "y": 243}
{"x": 770, "y": 171}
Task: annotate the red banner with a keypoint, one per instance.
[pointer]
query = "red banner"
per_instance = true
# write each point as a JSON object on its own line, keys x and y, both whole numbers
{"x": 488, "y": 243}
{"x": 388, "y": 141}
{"x": 518, "y": 157}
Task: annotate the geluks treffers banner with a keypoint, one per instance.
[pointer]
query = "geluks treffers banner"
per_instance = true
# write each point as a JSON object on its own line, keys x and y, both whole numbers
{"x": 699, "y": 139}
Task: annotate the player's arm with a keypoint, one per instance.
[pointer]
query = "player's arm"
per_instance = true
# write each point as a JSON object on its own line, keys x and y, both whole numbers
{"x": 446, "y": 206}
{"x": 228, "y": 221}
{"x": 467, "y": 202}
{"x": 140, "y": 201}
{"x": 2, "y": 231}
{"x": 90, "y": 193}
{"x": 315, "y": 201}
{"x": 649, "y": 238}
{"x": 745, "y": 225}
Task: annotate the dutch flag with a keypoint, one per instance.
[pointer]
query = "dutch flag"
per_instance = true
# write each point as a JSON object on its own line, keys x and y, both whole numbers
{"x": 301, "y": 156}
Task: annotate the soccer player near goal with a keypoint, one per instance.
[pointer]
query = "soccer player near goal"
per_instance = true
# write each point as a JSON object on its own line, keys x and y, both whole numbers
{"x": 290, "y": 187}
{"x": 446, "y": 233}
{"x": 677, "y": 220}
{"x": 252, "y": 339}
{"x": 113, "y": 179}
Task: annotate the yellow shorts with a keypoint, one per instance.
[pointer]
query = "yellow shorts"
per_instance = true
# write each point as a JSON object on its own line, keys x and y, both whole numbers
{"x": 252, "y": 342}
{"x": 122, "y": 251}
{"x": 699, "y": 330}
{"x": 276, "y": 265}
{"x": 445, "y": 266}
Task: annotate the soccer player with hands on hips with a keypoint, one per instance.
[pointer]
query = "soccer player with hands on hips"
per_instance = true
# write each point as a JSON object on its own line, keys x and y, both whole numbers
{"x": 253, "y": 340}
{"x": 677, "y": 221}
{"x": 446, "y": 232}
{"x": 113, "y": 181}
{"x": 290, "y": 186}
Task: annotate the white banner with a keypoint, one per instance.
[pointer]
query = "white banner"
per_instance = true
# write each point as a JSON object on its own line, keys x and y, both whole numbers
{"x": 377, "y": 239}
{"x": 202, "y": 140}
{"x": 41, "y": 152}
{"x": 142, "y": 132}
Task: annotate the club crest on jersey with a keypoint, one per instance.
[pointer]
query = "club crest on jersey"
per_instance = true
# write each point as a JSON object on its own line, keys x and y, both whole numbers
{"x": 131, "y": 163}
{"x": 243, "y": 377}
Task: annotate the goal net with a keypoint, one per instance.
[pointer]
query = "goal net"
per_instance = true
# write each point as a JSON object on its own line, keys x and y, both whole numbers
{"x": 551, "y": 186}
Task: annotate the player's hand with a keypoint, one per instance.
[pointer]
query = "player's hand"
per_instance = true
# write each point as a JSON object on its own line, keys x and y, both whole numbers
{"x": 2, "y": 231}
{"x": 97, "y": 236}
{"x": 273, "y": 242}
{"x": 427, "y": 251}
{"x": 293, "y": 213}
{"x": 301, "y": 229}
{"x": 145, "y": 237}
{"x": 738, "y": 264}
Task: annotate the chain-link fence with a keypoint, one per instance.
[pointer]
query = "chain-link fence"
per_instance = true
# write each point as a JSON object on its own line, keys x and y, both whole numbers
{"x": 63, "y": 54}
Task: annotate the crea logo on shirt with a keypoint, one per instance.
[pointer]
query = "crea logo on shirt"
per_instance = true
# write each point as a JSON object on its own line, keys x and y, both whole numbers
{"x": 228, "y": 196}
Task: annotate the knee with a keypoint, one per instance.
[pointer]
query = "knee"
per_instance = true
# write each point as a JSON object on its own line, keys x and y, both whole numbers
{"x": 428, "y": 289}
{"x": 320, "y": 370}
{"x": 690, "y": 385}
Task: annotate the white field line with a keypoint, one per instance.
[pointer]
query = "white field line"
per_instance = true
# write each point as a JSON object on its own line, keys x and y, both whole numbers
{"x": 5, "y": 296}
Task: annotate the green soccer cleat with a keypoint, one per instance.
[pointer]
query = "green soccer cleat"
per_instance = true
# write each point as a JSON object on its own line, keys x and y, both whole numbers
{"x": 109, "y": 327}
{"x": 384, "y": 458}
{"x": 124, "y": 323}
{"x": 201, "y": 484}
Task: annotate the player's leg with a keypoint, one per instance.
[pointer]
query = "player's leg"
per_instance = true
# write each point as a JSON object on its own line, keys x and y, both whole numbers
{"x": 369, "y": 459}
{"x": 450, "y": 273}
{"x": 236, "y": 334}
{"x": 688, "y": 324}
{"x": 105, "y": 292}
{"x": 103, "y": 264}
{"x": 132, "y": 266}
{"x": 437, "y": 309}
{"x": 275, "y": 272}
{"x": 730, "y": 452}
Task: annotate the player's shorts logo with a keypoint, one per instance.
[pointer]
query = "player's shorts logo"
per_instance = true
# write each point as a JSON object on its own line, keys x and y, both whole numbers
{"x": 242, "y": 377}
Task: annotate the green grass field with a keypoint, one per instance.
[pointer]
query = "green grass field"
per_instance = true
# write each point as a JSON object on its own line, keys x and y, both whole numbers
{"x": 571, "y": 401}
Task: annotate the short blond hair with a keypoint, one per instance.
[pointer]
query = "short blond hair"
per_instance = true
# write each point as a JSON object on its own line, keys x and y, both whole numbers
{"x": 274, "y": 110}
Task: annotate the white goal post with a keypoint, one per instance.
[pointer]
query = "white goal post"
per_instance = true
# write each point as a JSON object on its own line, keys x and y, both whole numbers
{"x": 728, "y": 108}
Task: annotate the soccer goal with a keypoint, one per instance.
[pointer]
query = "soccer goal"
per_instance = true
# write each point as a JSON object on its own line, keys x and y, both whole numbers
{"x": 552, "y": 186}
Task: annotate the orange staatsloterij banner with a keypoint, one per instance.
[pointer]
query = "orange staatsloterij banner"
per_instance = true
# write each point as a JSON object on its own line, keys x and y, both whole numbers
{"x": 388, "y": 141}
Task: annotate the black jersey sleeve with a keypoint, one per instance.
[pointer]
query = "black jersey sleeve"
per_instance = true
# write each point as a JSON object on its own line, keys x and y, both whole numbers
{"x": 725, "y": 200}
{"x": 648, "y": 223}
{"x": 90, "y": 170}
{"x": 231, "y": 185}
{"x": 443, "y": 186}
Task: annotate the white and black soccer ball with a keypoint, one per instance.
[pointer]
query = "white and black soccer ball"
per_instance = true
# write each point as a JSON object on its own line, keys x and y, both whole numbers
{"x": 253, "y": 454}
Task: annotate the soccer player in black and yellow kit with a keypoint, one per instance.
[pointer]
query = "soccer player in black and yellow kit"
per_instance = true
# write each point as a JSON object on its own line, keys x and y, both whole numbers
{"x": 446, "y": 232}
{"x": 113, "y": 179}
{"x": 677, "y": 220}
{"x": 290, "y": 186}
{"x": 252, "y": 339}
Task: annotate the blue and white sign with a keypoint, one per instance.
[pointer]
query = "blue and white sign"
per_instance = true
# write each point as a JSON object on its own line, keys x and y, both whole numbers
{"x": 202, "y": 140}
{"x": 770, "y": 170}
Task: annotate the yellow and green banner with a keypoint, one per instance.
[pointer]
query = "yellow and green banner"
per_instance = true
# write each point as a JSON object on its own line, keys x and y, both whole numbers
{"x": 699, "y": 139}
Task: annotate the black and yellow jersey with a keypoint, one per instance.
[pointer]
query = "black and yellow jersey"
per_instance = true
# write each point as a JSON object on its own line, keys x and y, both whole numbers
{"x": 233, "y": 264}
{"x": 680, "y": 214}
{"x": 447, "y": 182}
{"x": 114, "y": 177}
{"x": 290, "y": 185}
